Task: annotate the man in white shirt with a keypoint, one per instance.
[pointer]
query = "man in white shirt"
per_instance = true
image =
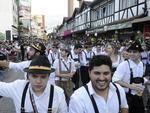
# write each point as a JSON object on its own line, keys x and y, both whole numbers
{"x": 65, "y": 69}
{"x": 129, "y": 74}
{"x": 36, "y": 94}
{"x": 36, "y": 49}
{"x": 99, "y": 95}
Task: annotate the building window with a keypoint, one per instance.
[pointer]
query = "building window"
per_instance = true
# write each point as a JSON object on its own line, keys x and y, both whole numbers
{"x": 98, "y": 14}
{"x": 127, "y": 3}
{"x": 103, "y": 12}
{"x": 110, "y": 9}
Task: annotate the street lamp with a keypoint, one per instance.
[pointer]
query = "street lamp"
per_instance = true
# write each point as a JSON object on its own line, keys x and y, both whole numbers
{"x": 95, "y": 34}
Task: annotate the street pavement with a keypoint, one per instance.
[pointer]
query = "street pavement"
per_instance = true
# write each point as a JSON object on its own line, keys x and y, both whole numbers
{"x": 6, "y": 104}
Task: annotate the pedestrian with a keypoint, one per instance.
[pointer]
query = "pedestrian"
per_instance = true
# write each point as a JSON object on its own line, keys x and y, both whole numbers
{"x": 129, "y": 74}
{"x": 99, "y": 95}
{"x": 35, "y": 95}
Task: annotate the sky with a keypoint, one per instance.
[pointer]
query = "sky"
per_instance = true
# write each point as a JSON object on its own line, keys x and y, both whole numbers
{"x": 54, "y": 11}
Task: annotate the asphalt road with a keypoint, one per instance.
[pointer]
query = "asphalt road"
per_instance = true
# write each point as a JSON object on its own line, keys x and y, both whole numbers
{"x": 6, "y": 104}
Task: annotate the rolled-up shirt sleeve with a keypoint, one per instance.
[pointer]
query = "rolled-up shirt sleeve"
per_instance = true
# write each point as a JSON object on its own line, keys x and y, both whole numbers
{"x": 120, "y": 72}
{"x": 19, "y": 66}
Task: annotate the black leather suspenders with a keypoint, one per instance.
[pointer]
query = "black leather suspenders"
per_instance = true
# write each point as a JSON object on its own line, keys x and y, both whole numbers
{"x": 92, "y": 99}
{"x": 94, "y": 103}
{"x": 119, "y": 98}
{"x": 23, "y": 98}
{"x": 50, "y": 99}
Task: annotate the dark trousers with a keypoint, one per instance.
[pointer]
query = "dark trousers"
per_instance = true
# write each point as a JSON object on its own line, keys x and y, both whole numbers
{"x": 84, "y": 75}
{"x": 147, "y": 70}
{"x": 75, "y": 79}
{"x": 135, "y": 103}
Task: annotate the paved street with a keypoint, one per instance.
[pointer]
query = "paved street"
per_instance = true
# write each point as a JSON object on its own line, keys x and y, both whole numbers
{"x": 6, "y": 104}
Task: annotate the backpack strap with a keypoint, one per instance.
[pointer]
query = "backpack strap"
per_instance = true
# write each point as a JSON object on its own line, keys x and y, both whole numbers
{"x": 119, "y": 98}
{"x": 92, "y": 99}
{"x": 23, "y": 97}
{"x": 51, "y": 99}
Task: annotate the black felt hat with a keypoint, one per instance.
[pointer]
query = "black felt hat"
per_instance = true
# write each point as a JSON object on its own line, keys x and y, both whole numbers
{"x": 135, "y": 46}
{"x": 39, "y": 65}
{"x": 39, "y": 47}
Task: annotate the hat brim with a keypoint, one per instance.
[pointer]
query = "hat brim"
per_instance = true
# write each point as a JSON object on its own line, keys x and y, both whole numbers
{"x": 38, "y": 71}
{"x": 137, "y": 49}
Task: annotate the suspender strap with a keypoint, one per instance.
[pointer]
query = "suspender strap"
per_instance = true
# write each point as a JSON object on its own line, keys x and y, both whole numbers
{"x": 59, "y": 68}
{"x": 119, "y": 98}
{"x": 53, "y": 59}
{"x": 92, "y": 99}
{"x": 51, "y": 99}
{"x": 23, "y": 97}
{"x": 131, "y": 75}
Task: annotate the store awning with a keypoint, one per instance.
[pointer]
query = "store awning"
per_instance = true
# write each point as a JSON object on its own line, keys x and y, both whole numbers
{"x": 145, "y": 19}
{"x": 68, "y": 32}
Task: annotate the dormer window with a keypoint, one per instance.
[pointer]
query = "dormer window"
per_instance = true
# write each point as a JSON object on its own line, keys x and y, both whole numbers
{"x": 103, "y": 12}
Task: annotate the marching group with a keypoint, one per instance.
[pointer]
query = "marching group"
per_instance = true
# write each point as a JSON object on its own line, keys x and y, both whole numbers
{"x": 61, "y": 78}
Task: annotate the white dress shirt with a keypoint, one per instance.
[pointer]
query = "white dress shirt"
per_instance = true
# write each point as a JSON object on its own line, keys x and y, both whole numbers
{"x": 20, "y": 66}
{"x": 63, "y": 68}
{"x": 80, "y": 101}
{"x": 123, "y": 72}
{"x": 15, "y": 89}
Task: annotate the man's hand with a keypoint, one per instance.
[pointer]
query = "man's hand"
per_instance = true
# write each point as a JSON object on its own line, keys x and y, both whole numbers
{"x": 4, "y": 64}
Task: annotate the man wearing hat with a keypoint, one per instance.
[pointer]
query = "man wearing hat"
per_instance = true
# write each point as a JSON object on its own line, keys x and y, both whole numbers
{"x": 35, "y": 49}
{"x": 129, "y": 74}
{"x": 36, "y": 94}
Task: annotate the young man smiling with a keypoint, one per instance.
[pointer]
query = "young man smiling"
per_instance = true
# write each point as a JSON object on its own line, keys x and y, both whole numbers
{"x": 99, "y": 95}
{"x": 129, "y": 74}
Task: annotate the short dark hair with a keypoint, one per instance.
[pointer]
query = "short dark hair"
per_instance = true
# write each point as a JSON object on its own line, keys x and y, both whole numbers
{"x": 77, "y": 46}
{"x": 99, "y": 60}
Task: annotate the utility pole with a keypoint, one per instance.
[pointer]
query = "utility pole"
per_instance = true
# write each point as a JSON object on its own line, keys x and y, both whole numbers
{"x": 18, "y": 20}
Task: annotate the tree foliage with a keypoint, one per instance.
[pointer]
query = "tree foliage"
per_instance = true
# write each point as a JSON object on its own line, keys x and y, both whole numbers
{"x": 2, "y": 36}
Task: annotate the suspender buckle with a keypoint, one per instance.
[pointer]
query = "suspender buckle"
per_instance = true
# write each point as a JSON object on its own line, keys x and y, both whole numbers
{"x": 22, "y": 109}
{"x": 50, "y": 110}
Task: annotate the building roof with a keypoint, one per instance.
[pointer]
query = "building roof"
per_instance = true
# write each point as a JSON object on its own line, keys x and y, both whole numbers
{"x": 85, "y": 4}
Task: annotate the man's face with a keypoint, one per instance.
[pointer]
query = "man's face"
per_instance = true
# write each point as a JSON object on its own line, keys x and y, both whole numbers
{"x": 134, "y": 55}
{"x": 100, "y": 77}
{"x": 31, "y": 53}
{"x": 38, "y": 82}
{"x": 78, "y": 51}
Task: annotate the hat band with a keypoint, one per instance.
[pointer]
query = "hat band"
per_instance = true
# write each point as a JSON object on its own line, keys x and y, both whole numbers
{"x": 36, "y": 47}
{"x": 40, "y": 68}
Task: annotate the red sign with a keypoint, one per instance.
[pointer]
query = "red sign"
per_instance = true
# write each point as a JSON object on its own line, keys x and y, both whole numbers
{"x": 147, "y": 31}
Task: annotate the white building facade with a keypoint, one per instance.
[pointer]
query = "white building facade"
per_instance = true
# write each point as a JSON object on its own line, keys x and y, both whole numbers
{"x": 9, "y": 18}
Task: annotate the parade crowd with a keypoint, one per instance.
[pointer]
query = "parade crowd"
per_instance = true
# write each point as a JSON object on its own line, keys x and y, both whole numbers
{"x": 77, "y": 76}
